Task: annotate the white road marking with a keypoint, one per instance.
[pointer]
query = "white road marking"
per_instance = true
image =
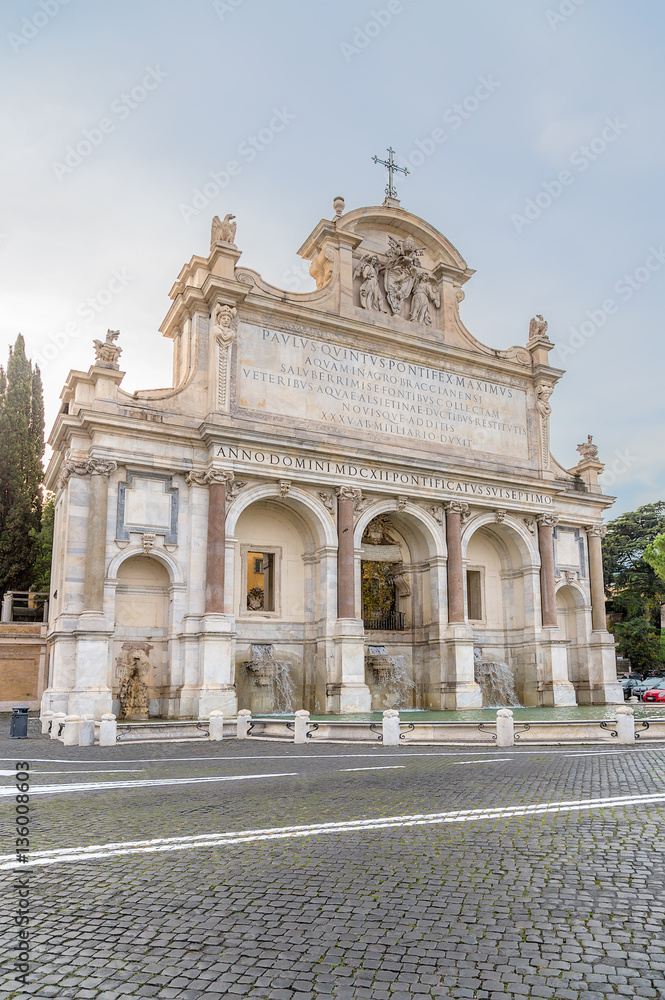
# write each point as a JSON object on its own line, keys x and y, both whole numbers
{"x": 95, "y": 786}
{"x": 378, "y": 767}
{"x": 101, "y": 770}
{"x": 94, "y": 852}
{"x": 485, "y": 760}
{"x": 405, "y": 752}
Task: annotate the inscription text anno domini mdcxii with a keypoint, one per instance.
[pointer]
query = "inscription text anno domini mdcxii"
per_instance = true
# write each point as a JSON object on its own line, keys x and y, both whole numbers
{"x": 298, "y": 376}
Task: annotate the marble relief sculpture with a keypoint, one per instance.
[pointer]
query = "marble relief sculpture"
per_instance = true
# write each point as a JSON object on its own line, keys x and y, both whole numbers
{"x": 400, "y": 271}
{"x": 222, "y": 322}
{"x": 132, "y": 665}
{"x": 543, "y": 393}
{"x": 423, "y": 294}
{"x": 370, "y": 291}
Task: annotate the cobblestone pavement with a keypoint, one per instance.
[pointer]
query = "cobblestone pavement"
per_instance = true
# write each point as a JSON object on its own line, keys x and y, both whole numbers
{"x": 565, "y": 903}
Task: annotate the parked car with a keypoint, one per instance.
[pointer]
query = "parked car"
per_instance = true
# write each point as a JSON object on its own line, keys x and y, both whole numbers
{"x": 647, "y": 683}
{"x": 655, "y": 693}
{"x": 629, "y": 684}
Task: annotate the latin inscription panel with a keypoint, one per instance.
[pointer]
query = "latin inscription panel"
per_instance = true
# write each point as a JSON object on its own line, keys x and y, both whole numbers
{"x": 348, "y": 389}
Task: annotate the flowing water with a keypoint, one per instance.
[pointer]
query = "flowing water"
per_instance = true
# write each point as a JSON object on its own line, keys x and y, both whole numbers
{"x": 273, "y": 677}
{"x": 392, "y": 683}
{"x": 496, "y": 680}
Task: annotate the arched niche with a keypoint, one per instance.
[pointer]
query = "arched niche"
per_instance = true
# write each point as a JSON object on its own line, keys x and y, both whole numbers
{"x": 142, "y": 615}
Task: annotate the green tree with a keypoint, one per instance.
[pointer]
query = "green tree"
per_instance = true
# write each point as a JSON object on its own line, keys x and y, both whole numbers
{"x": 654, "y": 554}
{"x": 633, "y": 588}
{"x": 638, "y": 639}
{"x": 41, "y": 574}
{"x": 22, "y": 438}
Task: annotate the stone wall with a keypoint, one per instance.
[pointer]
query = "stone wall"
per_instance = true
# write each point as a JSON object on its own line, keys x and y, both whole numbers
{"x": 22, "y": 665}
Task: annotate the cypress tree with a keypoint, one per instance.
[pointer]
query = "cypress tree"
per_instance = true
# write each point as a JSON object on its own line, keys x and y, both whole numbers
{"x": 21, "y": 451}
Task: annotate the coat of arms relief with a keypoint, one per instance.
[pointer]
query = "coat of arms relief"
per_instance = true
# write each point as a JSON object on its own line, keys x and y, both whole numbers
{"x": 404, "y": 278}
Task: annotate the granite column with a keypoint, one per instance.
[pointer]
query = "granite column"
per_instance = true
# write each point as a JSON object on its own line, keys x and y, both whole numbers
{"x": 546, "y": 524}
{"x": 346, "y": 598}
{"x": 595, "y": 534}
{"x": 95, "y": 549}
{"x": 216, "y": 547}
{"x": 454, "y": 511}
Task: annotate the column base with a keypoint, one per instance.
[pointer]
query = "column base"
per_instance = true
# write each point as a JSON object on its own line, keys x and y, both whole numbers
{"x": 458, "y": 689}
{"x": 601, "y": 687}
{"x": 556, "y": 690}
{"x": 349, "y": 694}
{"x": 222, "y": 699}
{"x": 217, "y": 667}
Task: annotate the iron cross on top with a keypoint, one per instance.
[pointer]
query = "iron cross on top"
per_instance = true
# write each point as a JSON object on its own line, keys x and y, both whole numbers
{"x": 391, "y": 190}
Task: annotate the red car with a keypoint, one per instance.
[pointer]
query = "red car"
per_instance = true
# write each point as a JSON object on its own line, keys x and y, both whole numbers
{"x": 656, "y": 693}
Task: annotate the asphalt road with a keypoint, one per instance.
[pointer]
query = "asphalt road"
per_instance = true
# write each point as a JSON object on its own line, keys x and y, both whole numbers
{"x": 280, "y": 872}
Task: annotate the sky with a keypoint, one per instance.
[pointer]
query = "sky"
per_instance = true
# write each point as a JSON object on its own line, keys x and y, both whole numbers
{"x": 532, "y": 130}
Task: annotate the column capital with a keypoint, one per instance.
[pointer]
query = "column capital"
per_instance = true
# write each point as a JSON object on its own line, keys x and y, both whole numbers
{"x": 87, "y": 467}
{"x": 101, "y": 467}
{"x": 599, "y": 530}
{"x": 547, "y": 520}
{"x": 457, "y": 507}
{"x": 348, "y": 493}
{"x": 212, "y": 475}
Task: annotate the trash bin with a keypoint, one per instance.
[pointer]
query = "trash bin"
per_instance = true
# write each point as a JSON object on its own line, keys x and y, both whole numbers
{"x": 19, "y": 725}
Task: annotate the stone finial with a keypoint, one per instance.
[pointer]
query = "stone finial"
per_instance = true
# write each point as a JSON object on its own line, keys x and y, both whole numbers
{"x": 538, "y": 329}
{"x": 107, "y": 351}
{"x": 223, "y": 230}
{"x": 588, "y": 450}
{"x": 338, "y": 206}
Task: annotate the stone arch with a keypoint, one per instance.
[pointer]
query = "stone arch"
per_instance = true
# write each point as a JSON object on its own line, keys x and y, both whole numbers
{"x": 292, "y": 534}
{"x": 176, "y": 574}
{"x": 510, "y": 530}
{"x": 428, "y": 528}
{"x": 502, "y": 576}
{"x": 142, "y": 615}
{"x": 573, "y": 610}
{"x": 410, "y": 638}
{"x": 310, "y": 509}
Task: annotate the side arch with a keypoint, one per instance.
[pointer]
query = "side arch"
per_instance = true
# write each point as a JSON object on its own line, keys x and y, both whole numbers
{"x": 175, "y": 571}
{"x": 306, "y": 506}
